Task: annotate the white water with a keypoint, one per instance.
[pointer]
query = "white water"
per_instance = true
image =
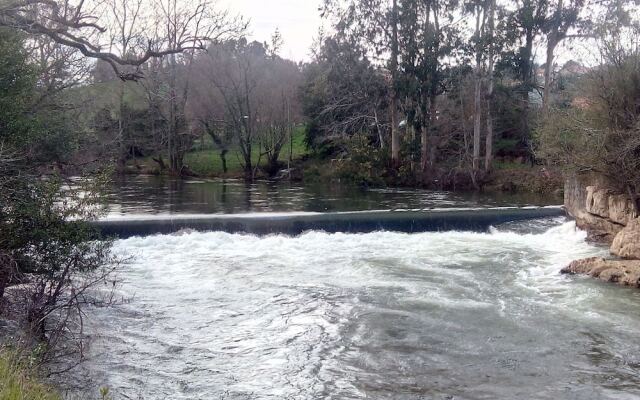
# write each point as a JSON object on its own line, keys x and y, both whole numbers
{"x": 383, "y": 315}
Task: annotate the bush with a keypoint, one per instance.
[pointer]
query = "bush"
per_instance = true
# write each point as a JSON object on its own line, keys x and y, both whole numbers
{"x": 365, "y": 165}
{"x": 600, "y": 131}
{"x": 46, "y": 246}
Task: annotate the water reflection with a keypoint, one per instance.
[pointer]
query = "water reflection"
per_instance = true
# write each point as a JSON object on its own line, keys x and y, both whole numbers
{"x": 150, "y": 194}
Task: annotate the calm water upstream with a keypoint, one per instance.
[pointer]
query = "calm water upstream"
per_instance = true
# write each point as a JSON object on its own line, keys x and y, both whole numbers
{"x": 157, "y": 195}
{"x": 452, "y": 315}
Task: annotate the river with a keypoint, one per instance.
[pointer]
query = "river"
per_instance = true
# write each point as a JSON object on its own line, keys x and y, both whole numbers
{"x": 135, "y": 195}
{"x": 383, "y": 315}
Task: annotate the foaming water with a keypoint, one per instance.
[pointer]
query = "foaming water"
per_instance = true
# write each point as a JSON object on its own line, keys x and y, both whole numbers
{"x": 451, "y": 315}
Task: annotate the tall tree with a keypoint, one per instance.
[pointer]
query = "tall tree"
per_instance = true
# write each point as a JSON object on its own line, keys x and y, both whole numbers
{"x": 374, "y": 26}
{"x": 344, "y": 94}
{"x": 430, "y": 39}
{"x": 492, "y": 44}
{"x": 484, "y": 47}
{"x": 480, "y": 17}
{"x": 526, "y": 20}
{"x": 393, "y": 67}
{"x": 124, "y": 35}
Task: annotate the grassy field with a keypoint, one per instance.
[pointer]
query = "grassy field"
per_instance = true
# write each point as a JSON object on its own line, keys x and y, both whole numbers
{"x": 207, "y": 161}
{"x": 17, "y": 383}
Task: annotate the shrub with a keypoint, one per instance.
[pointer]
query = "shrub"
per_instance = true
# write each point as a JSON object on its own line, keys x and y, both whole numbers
{"x": 365, "y": 164}
{"x": 600, "y": 131}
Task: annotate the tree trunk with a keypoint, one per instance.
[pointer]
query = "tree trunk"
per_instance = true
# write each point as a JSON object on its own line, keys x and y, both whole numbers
{"x": 424, "y": 149}
{"x": 488, "y": 159}
{"x": 223, "y": 158}
{"x": 395, "y": 134}
{"x": 160, "y": 162}
{"x": 171, "y": 131}
{"x": 527, "y": 85}
{"x": 477, "y": 123}
{"x": 477, "y": 98}
{"x": 553, "y": 39}
{"x": 548, "y": 69}
{"x": 433, "y": 139}
{"x": 378, "y": 130}
{"x": 122, "y": 152}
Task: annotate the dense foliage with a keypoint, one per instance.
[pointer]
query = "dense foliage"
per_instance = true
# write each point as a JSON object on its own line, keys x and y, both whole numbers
{"x": 45, "y": 244}
{"x": 452, "y": 88}
{"x": 600, "y": 130}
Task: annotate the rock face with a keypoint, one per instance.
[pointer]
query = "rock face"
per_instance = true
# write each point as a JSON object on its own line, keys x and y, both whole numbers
{"x": 608, "y": 215}
{"x": 599, "y": 229}
{"x": 622, "y": 272}
{"x": 621, "y": 209}
{"x": 627, "y": 243}
{"x": 598, "y": 206}
{"x": 598, "y": 201}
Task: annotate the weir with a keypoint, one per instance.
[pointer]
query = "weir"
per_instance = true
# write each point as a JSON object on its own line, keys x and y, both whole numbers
{"x": 409, "y": 221}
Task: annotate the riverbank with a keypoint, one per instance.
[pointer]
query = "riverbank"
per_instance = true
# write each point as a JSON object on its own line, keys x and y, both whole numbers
{"x": 18, "y": 380}
{"x": 299, "y": 164}
{"x": 610, "y": 217}
{"x": 505, "y": 178}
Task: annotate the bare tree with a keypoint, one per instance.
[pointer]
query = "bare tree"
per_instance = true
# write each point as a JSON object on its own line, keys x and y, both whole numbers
{"x": 246, "y": 97}
{"x": 233, "y": 72}
{"x": 81, "y": 25}
{"x": 123, "y": 36}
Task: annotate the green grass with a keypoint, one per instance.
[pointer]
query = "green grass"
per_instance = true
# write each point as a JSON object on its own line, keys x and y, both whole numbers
{"x": 207, "y": 161}
{"x": 17, "y": 381}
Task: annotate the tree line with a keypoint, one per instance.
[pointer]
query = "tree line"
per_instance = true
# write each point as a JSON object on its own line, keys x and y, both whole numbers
{"x": 238, "y": 93}
{"x": 442, "y": 86}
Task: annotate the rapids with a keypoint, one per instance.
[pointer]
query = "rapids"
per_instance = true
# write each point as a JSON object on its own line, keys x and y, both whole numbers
{"x": 383, "y": 315}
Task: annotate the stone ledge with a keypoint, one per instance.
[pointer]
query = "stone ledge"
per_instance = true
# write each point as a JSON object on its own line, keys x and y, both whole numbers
{"x": 599, "y": 229}
{"x": 622, "y": 272}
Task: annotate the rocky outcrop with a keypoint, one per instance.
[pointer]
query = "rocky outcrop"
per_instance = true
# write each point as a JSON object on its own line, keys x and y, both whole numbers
{"x": 598, "y": 206}
{"x": 598, "y": 201}
{"x": 608, "y": 215}
{"x": 622, "y": 272}
{"x": 627, "y": 243}
{"x": 621, "y": 209}
{"x": 598, "y": 229}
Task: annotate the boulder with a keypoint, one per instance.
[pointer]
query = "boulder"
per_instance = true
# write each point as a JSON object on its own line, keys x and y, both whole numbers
{"x": 622, "y": 272}
{"x": 626, "y": 244}
{"x": 598, "y": 201}
{"x": 621, "y": 209}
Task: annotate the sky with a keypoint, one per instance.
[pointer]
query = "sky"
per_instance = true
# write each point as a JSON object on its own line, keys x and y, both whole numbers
{"x": 297, "y": 20}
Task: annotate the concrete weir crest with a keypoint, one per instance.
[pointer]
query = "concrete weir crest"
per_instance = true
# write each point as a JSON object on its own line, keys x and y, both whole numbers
{"x": 409, "y": 221}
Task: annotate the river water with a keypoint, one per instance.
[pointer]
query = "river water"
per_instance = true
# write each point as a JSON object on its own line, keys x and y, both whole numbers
{"x": 450, "y": 315}
{"x": 158, "y": 195}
